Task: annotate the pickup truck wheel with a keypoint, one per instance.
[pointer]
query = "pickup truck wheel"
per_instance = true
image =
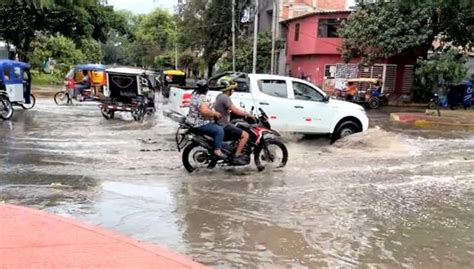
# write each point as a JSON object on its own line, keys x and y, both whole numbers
{"x": 346, "y": 128}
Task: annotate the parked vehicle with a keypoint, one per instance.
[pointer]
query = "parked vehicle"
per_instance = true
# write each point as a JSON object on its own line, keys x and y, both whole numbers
{"x": 264, "y": 143}
{"x": 460, "y": 94}
{"x": 95, "y": 87}
{"x": 16, "y": 82}
{"x": 169, "y": 78}
{"x": 128, "y": 90}
{"x": 368, "y": 94}
{"x": 293, "y": 105}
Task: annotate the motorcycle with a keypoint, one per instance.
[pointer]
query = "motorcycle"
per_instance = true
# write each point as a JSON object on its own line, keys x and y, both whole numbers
{"x": 264, "y": 143}
{"x": 434, "y": 102}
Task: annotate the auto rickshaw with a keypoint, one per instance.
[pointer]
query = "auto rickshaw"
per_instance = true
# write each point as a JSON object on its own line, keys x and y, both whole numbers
{"x": 83, "y": 88}
{"x": 128, "y": 89}
{"x": 15, "y": 87}
{"x": 458, "y": 95}
{"x": 369, "y": 92}
{"x": 169, "y": 78}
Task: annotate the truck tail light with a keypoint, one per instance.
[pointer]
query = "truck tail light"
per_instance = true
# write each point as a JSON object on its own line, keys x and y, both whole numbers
{"x": 186, "y": 100}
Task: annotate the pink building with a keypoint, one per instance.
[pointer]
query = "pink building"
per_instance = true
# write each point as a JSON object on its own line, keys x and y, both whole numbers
{"x": 312, "y": 52}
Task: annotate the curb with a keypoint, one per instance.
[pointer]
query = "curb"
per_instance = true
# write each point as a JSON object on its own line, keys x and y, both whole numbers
{"x": 424, "y": 121}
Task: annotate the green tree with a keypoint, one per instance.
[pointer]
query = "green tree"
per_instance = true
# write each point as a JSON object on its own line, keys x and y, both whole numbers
{"x": 387, "y": 28}
{"x": 244, "y": 55}
{"x": 206, "y": 26}
{"x": 62, "y": 49}
{"x": 155, "y": 34}
{"x": 442, "y": 68}
{"x": 20, "y": 22}
{"x": 92, "y": 50}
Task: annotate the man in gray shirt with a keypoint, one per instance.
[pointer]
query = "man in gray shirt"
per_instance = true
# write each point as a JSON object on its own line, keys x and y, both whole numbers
{"x": 224, "y": 106}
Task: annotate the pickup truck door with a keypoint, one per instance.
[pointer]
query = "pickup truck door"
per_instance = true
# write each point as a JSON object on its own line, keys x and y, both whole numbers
{"x": 271, "y": 95}
{"x": 310, "y": 113}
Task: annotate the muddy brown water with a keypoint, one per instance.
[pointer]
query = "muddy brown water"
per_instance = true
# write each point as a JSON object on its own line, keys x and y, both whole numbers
{"x": 388, "y": 198}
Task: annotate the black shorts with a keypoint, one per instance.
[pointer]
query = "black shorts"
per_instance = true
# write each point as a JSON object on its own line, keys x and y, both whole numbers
{"x": 232, "y": 133}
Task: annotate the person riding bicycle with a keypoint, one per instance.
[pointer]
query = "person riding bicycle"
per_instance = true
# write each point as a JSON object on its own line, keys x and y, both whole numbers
{"x": 224, "y": 106}
{"x": 201, "y": 117}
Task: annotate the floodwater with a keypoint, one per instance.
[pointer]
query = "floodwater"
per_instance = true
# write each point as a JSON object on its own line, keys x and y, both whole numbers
{"x": 388, "y": 198}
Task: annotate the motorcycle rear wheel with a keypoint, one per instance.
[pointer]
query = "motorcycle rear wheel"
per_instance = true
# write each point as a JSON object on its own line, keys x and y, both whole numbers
{"x": 265, "y": 154}
{"x": 198, "y": 154}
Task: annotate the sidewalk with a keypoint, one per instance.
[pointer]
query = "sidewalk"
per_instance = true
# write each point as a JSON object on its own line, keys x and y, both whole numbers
{"x": 458, "y": 119}
{"x": 45, "y": 91}
{"x": 35, "y": 239}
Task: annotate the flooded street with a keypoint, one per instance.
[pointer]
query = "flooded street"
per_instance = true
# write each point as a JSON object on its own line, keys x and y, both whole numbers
{"x": 388, "y": 198}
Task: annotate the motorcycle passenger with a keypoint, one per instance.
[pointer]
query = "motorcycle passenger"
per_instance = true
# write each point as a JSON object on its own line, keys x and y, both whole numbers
{"x": 224, "y": 106}
{"x": 201, "y": 117}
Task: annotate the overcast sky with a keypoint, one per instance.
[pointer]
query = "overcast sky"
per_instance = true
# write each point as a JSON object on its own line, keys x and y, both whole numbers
{"x": 141, "y": 6}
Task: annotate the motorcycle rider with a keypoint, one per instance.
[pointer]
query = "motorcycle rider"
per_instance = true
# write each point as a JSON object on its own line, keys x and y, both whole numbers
{"x": 201, "y": 117}
{"x": 224, "y": 106}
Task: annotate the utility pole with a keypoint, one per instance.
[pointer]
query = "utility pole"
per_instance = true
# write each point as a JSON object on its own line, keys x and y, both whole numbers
{"x": 272, "y": 60}
{"x": 233, "y": 35}
{"x": 176, "y": 47}
{"x": 255, "y": 37}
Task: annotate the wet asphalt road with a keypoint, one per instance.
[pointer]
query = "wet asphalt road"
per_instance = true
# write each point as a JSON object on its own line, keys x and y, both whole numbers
{"x": 389, "y": 198}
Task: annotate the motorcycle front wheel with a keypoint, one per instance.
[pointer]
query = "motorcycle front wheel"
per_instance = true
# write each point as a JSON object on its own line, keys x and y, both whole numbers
{"x": 196, "y": 157}
{"x": 271, "y": 153}
{"x": 6, "y": 108}
{"x": 62, "y": 98}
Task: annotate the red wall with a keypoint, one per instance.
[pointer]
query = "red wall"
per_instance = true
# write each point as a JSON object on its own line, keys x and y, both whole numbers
{"x": 308, "y": 42}
{"x": 313, "y": 66}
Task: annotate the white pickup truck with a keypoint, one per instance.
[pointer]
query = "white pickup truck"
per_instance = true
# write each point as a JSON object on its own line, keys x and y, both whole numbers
{"x": 293, "y": 105}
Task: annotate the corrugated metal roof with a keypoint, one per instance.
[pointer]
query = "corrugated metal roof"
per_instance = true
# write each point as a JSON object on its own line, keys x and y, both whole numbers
{"x": 320, "y": 12}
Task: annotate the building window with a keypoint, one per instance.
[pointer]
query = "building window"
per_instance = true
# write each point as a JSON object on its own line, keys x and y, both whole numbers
{"x": 297, "y": 32}
{"x": 329, "y": 71}
{"x": 329, "y": 27}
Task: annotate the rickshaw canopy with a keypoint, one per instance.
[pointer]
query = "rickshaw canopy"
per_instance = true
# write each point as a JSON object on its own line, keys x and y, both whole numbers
{"x": 90, "y": 67}
{"x": 12, "y": 69}
{"x": 363, "y": 80}
{"x": 174, "y": 72}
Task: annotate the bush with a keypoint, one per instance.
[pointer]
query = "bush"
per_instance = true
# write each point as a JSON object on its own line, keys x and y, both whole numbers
{"x": 43, "y": 79}
{"x": 435, "y": 73}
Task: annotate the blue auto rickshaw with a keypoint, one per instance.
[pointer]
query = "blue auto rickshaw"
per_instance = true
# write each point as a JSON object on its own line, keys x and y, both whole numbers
{"x": 16, "y": 78}
{"x": 460, "y": 95}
